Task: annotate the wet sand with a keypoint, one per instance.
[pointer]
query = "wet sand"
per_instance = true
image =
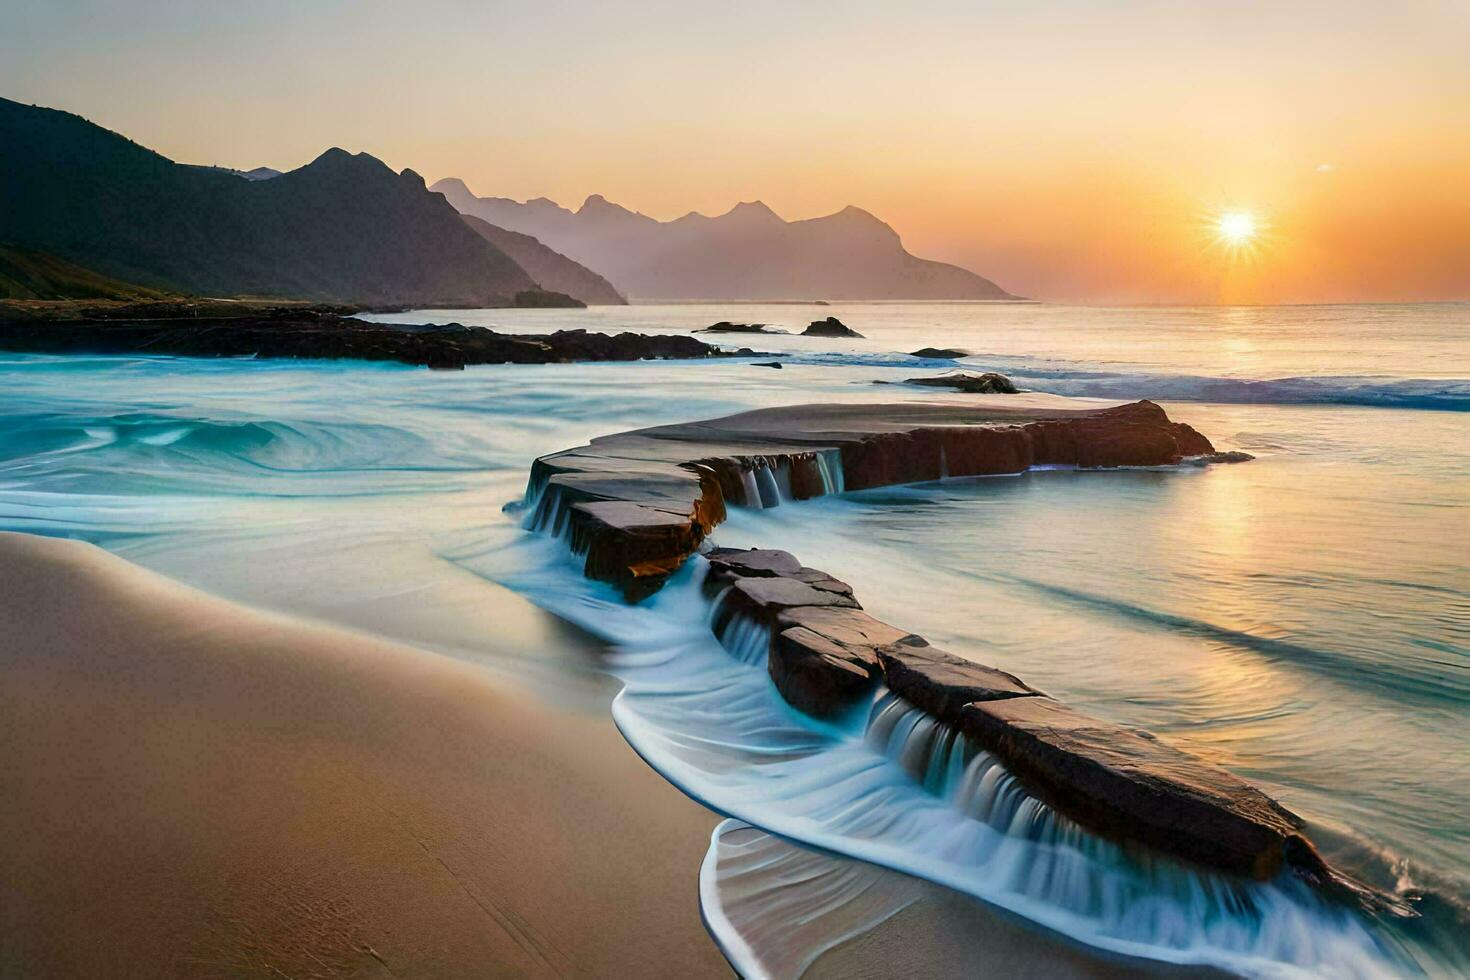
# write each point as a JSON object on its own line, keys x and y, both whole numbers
{"x": 192, "y": 788}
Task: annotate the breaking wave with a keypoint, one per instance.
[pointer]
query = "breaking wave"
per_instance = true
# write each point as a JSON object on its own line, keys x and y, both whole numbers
{"x": 1444, "y": 394}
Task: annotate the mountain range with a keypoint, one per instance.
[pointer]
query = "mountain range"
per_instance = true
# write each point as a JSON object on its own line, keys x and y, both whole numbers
{"x": 748, "y": 253}
{"x": 343, "y": 228}
{"x": 92, "y": 211}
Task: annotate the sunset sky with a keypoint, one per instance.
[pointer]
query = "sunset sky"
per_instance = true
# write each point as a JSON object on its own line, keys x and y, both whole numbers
{"x": 1071, "y": 151}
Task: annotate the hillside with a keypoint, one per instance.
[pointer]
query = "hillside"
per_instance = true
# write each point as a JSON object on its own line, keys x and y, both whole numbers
{"x": 748, "y": 253}
{"x": 548, "y": 267}
{"x": 26, "y": 274}
{"x": 343, "y": 228}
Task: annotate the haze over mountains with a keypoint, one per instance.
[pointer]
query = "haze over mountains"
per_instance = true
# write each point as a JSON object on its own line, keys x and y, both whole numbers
{"x": 343, "y": 228}
{"x": 548, "y": 267}
{"x": 749, "y": 253}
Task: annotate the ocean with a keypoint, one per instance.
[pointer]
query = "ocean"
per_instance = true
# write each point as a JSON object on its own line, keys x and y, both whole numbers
{"x": 1302, "y": 619}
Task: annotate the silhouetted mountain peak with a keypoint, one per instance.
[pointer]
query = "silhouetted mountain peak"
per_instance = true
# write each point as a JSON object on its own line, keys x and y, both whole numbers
{"x": 344, "y": 227}
{"x": 596, "y": 205}
{"x": 748, "y": 252}
{"x": 450, "y": 186}
{"x": 857, "y": 215}
{"x": 338, "y": 161}
{"x": 753, "y": 212}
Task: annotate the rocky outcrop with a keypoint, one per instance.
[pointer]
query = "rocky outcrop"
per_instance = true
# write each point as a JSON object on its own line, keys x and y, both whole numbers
{"x": 637, "y": 504}
{"x": 939, "y": 353}
{"x": 826, "y": 656}
{"x": 941, "y": 683}
{"x": 678, "y": 476}
{"x": 299, "y": 332}
{"x": 1128, "y": 785}
{"x": 830, "y": 327}
{"x": 725, "y": 326}
{"x": 988, "y": 383}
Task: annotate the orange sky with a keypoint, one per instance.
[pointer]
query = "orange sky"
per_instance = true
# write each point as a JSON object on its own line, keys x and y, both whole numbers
{"x": 1071, "y": 151}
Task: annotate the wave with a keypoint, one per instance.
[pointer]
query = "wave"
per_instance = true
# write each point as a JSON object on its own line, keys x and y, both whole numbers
{"x": 141, "y": 451}
{"x": 1442, "y": 394}
{"x": 1397, "y": 679}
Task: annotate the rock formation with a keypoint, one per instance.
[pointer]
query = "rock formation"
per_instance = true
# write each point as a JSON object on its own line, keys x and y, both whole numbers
{"x": 969, "y": 382}
{"x": 301, "y": 332}
{"x": 638, "y": 504}
{"x": 635, "y": 505}
{"x": 725, "y": 326}
{"x": 830, "y": 327}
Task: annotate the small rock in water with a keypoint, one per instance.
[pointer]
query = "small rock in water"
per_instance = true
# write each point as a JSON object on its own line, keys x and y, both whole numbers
{"x": 1234, "y": 456}
{"x": 725, "y": 326}
{"x": 770, "y": 364}
{"x": 988, "y": 383}
{"x": 830, "y": 327}
{"x": 939, "y": 353}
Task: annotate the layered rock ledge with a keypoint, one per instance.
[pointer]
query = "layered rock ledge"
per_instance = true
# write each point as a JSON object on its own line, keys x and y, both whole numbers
{"x": 637, "y": 504}
{"x": 827, "y": 657}
{"x": 295, "y": 332}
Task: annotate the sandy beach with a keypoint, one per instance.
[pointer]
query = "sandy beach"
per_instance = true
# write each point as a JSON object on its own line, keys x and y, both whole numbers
{"x": 195, "y": 789}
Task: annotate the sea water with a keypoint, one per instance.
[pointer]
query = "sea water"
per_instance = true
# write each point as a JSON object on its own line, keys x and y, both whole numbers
{"x": 1303, "y": 620}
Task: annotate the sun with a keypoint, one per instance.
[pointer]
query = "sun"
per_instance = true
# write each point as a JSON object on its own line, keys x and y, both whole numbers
{"x": 1236, "y": 228}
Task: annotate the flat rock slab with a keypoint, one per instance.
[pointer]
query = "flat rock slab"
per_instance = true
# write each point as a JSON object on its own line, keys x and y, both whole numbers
{"x": 824, "y": 659}
{"x": 771, "y": 596}
{"x": 1132, "y": 786}
{"x": 943, "y": 684}
{"x": 844, "y": 626}
{"x": 762, "y": 562}
{"x": 871, "y": 446}
{"x": 819, "y": 676}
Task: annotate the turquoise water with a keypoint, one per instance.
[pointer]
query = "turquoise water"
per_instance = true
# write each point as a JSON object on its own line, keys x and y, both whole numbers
{"x": 1303, "y": 620}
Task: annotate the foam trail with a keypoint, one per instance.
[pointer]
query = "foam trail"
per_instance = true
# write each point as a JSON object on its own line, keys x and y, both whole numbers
{"x": 775, "y": 907}
{"x": 905, "y": 793}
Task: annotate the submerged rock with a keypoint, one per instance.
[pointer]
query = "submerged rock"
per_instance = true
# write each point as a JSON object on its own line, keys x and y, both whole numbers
{"x": 939, "y": 353}
{"x": 769, "y": 364}
{"x": 988, "y": 383}
{"x": 1206, "y": 459}
{"x": 830, "y": 327}
{"x": 725, "y": 326}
